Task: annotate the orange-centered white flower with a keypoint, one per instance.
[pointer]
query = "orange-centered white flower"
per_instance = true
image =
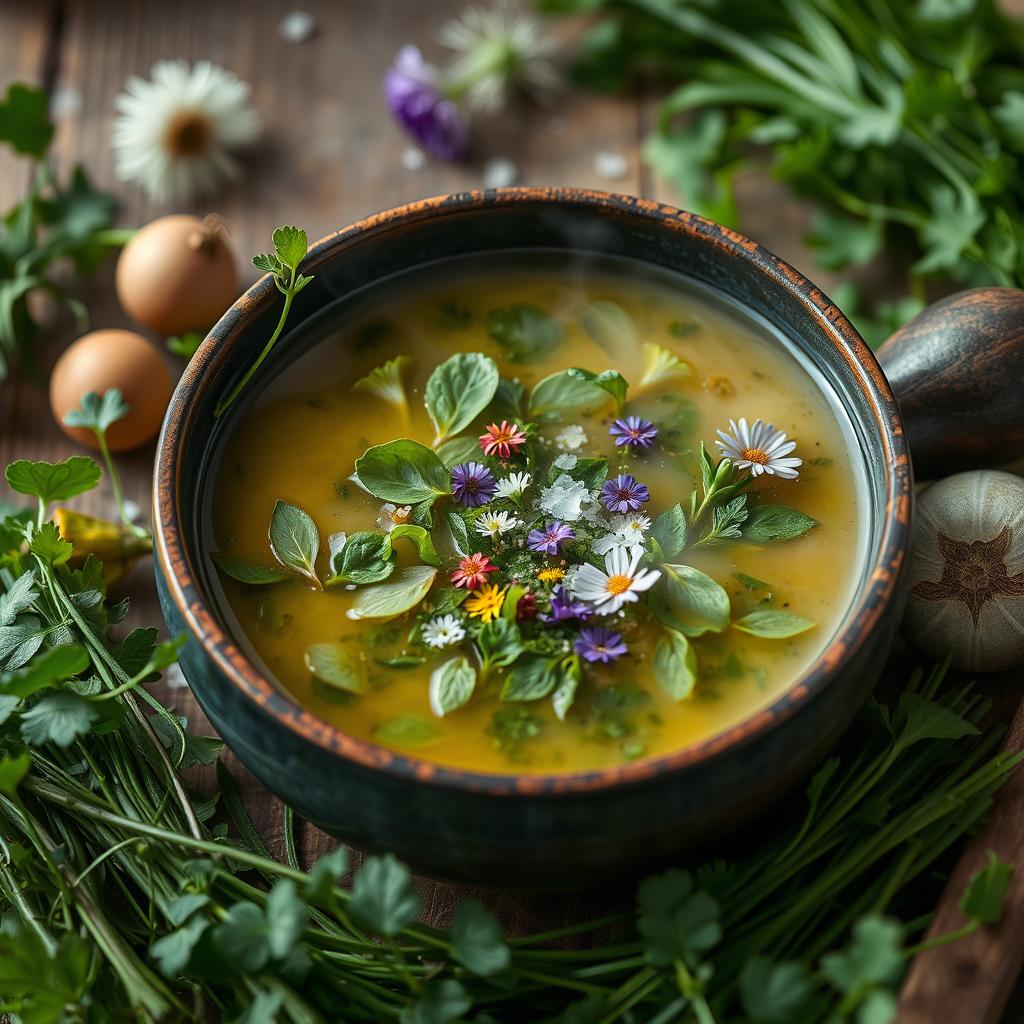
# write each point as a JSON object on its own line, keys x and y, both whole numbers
{"x": 760, "y": 448}
{"x": 622, "y": 581}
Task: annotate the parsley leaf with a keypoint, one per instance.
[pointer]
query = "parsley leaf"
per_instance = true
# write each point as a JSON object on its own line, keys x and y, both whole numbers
{"x": 383, "y": 898}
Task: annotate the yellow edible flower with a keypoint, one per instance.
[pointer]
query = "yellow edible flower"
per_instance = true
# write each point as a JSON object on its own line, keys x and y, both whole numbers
{"x": 486, "y": 602}
{"x": 550, "y": 575}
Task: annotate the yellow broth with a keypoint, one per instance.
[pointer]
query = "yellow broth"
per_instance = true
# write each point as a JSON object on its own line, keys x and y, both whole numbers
{"x": 300, "y": 439}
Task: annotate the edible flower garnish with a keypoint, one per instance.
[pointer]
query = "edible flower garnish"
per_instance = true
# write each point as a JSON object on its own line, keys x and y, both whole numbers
{"x": 443, "y": 631}
{"x": 547, "y": 541}
{"x": 502, "y": 440}
{"x": 473, "y": 485}
{"x": 413, "y": 92}
{"x": 526, "y": 608}
{"x": 760, "y": 448}
{"x": 472, "y": 571}
{"x": 621, "y": 582}
{"x": 393, "y": 515}
{"x": 551, "y": 575}
{"x": 625, "y": 531}
{"x": 624, "y": 493}
{"x": 595, "y": 643}
{"x": 513, "y": 485}
{"x": 486, "y": 603}
{"x": 493, "y": 524}
{"x": 565, "y": 606}
{"x": 633, "y": 431}
{"x": 571, "y": 438}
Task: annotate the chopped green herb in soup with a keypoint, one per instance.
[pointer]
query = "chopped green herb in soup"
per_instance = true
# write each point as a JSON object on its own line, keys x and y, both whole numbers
{"x": 538, "y": 520}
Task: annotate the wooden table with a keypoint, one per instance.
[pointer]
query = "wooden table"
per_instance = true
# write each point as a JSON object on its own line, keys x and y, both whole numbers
{"x": 330, "y": 154}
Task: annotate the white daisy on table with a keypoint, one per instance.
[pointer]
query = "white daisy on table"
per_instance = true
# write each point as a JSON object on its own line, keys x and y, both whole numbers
{"x": 759, "y": 447}
{"x": 512, "y": 485}
{"x": 443, "y": 631}
{"x": 571, "y": 438}
{"x": 393, "y": 515}
{"x": 174, "y": 132}
{"x": 493, "y": 524}
{"x": 621, "y": 582}
{"x": 499, "y": 49}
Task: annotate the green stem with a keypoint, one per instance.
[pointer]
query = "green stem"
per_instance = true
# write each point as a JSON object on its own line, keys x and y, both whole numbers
{"x": 289, "y": 294}
{"x": 115, "y": 238}
{"x": 115, "y": 485}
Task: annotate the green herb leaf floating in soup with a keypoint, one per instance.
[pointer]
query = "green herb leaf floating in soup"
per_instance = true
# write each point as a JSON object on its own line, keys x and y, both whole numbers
{"x": 458, "y": 391}
{"x": 451, "y": 685}
{"x": 773, "y": 624}
{"x": 524, "y": 331}
{"x": 402, "y": 471}
{"x": 337, "y": 666}
{"x": 542, "y": 560}
{"x": 389, "y": 600}
{"x": 768, "y": 524}
{"x": 295, "y": 540}
{"x": 244, "y": 571}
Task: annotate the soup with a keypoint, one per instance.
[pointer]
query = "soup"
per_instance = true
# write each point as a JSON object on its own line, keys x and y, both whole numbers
{"x": 530, "y": 515}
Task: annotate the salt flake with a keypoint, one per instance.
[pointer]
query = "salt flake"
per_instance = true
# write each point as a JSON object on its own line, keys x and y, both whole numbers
{"x": 565, "y": 499}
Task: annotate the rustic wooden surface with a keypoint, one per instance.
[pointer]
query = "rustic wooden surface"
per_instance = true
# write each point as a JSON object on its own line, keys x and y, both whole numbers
{"x": 330, "y": 154}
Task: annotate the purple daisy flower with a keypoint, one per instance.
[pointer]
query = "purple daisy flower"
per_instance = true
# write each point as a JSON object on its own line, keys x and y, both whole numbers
{"x": 624, "y": 493}
{"x": 546, "y": 541}
{"x": 635, "y": 432}
{"x": 564, "y": 606}
{"x": 436, "y": 123}
{"x": 472, "y": 484}
{"x": 599, "y": 644}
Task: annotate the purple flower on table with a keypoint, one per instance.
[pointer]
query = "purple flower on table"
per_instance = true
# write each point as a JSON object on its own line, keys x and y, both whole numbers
{"x": 633, "y": 431}
{"x": 599, "y": 644}
{"x": 548, "y": 540}
{"x": 412, "y": 92}
{"x": 564, "y": 606}
{"x": 473, "y": 485}
{"x": 624, "y": 493}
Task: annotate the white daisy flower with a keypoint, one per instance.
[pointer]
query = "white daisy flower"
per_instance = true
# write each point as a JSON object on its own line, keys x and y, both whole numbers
{"x": 621, "y": 582}
{"x": 571, "y": 438}
{"x": 499, "y": 49}
{"x": 393, "y": 515}
{"x": 173, "y": 133}
{"x": 760, "y": 448}
{"x": 627, "y": 530}
{"x": 443, "y": 631}
{"x": 512, "y": 485}
{"x": 494, "y": 524}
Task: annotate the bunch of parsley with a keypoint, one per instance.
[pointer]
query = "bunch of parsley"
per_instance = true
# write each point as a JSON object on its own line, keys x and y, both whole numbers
{"x": 54, "y": 222}
{"x": 125, "y": 895}
{"x": 904, "y": 121}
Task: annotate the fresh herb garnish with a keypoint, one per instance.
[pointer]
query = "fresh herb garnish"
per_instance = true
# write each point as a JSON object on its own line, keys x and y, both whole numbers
{"x": 290, "y": 245}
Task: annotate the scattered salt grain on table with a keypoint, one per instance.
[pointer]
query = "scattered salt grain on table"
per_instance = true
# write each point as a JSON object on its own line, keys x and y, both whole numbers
{"x": 500, "y": 173}
{"x": 611, "y": 166}
{"x": 132, "y": 510}
{"x": 413, "y": 158}
{"x": 297, "y": 27}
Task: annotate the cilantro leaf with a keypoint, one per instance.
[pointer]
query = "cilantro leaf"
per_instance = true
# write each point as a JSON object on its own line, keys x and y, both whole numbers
{"x": 50, "y": 481}
{"x": 441, "y": 1003}
{"x": 52, "y": 666}
{"x": 49, "y": 546}
{"x": 479, "y": 942}
{"x": 96, "y": 413}
{"x": 325, "y": 874}
{"x": 57, "y": 718}
{"x": 841, "y": 241}
{"x": 290, "y": 244}
{"x": 24, "y": 120}
{"x": 874, "y": 956}
{"x": 676, "y": 922}
{"x": 956, "y": 218}
{"x": 383, "y": 898}
{"x": 775, "y": 993}
{"x": 172, "y": 952}
{"x": 286, "y": 919}
{"x": 985, "y": 894}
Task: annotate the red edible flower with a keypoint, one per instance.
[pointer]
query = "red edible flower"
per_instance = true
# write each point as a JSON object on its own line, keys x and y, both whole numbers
{"x": 472, "y": 571}
{"x": 526, "y": 608}
{"x": 502, "y": 440}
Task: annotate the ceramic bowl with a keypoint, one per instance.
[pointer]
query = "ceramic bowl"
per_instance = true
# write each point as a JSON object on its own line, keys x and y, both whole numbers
{"x": 543, "y": 831}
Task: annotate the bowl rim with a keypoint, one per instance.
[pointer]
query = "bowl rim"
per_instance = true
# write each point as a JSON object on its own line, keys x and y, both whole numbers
{"x": 878, "y": 589}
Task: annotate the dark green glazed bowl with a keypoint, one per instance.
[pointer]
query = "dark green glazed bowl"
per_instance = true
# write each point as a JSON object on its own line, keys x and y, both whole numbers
{"x": 571, "y": 830}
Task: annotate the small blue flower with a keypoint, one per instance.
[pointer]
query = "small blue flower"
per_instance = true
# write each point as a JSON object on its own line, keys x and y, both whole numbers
{"x": 564, "y": 606}
{"x": 548, "y": 540}
{"x": 633, "y": 431}
{"x": 624, "y": 494}
{"x": 473, "y": 485}
{"x": 599, "y": 644}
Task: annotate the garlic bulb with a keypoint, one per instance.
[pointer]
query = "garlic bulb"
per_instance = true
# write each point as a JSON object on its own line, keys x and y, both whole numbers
{"x": 967, "y": 571}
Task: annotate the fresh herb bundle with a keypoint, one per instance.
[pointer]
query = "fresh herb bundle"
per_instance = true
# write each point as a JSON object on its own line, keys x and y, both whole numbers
{"x": 902, "y": 119}
{"x": 52, "y": 223}
{"x": 123, "y": 898}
